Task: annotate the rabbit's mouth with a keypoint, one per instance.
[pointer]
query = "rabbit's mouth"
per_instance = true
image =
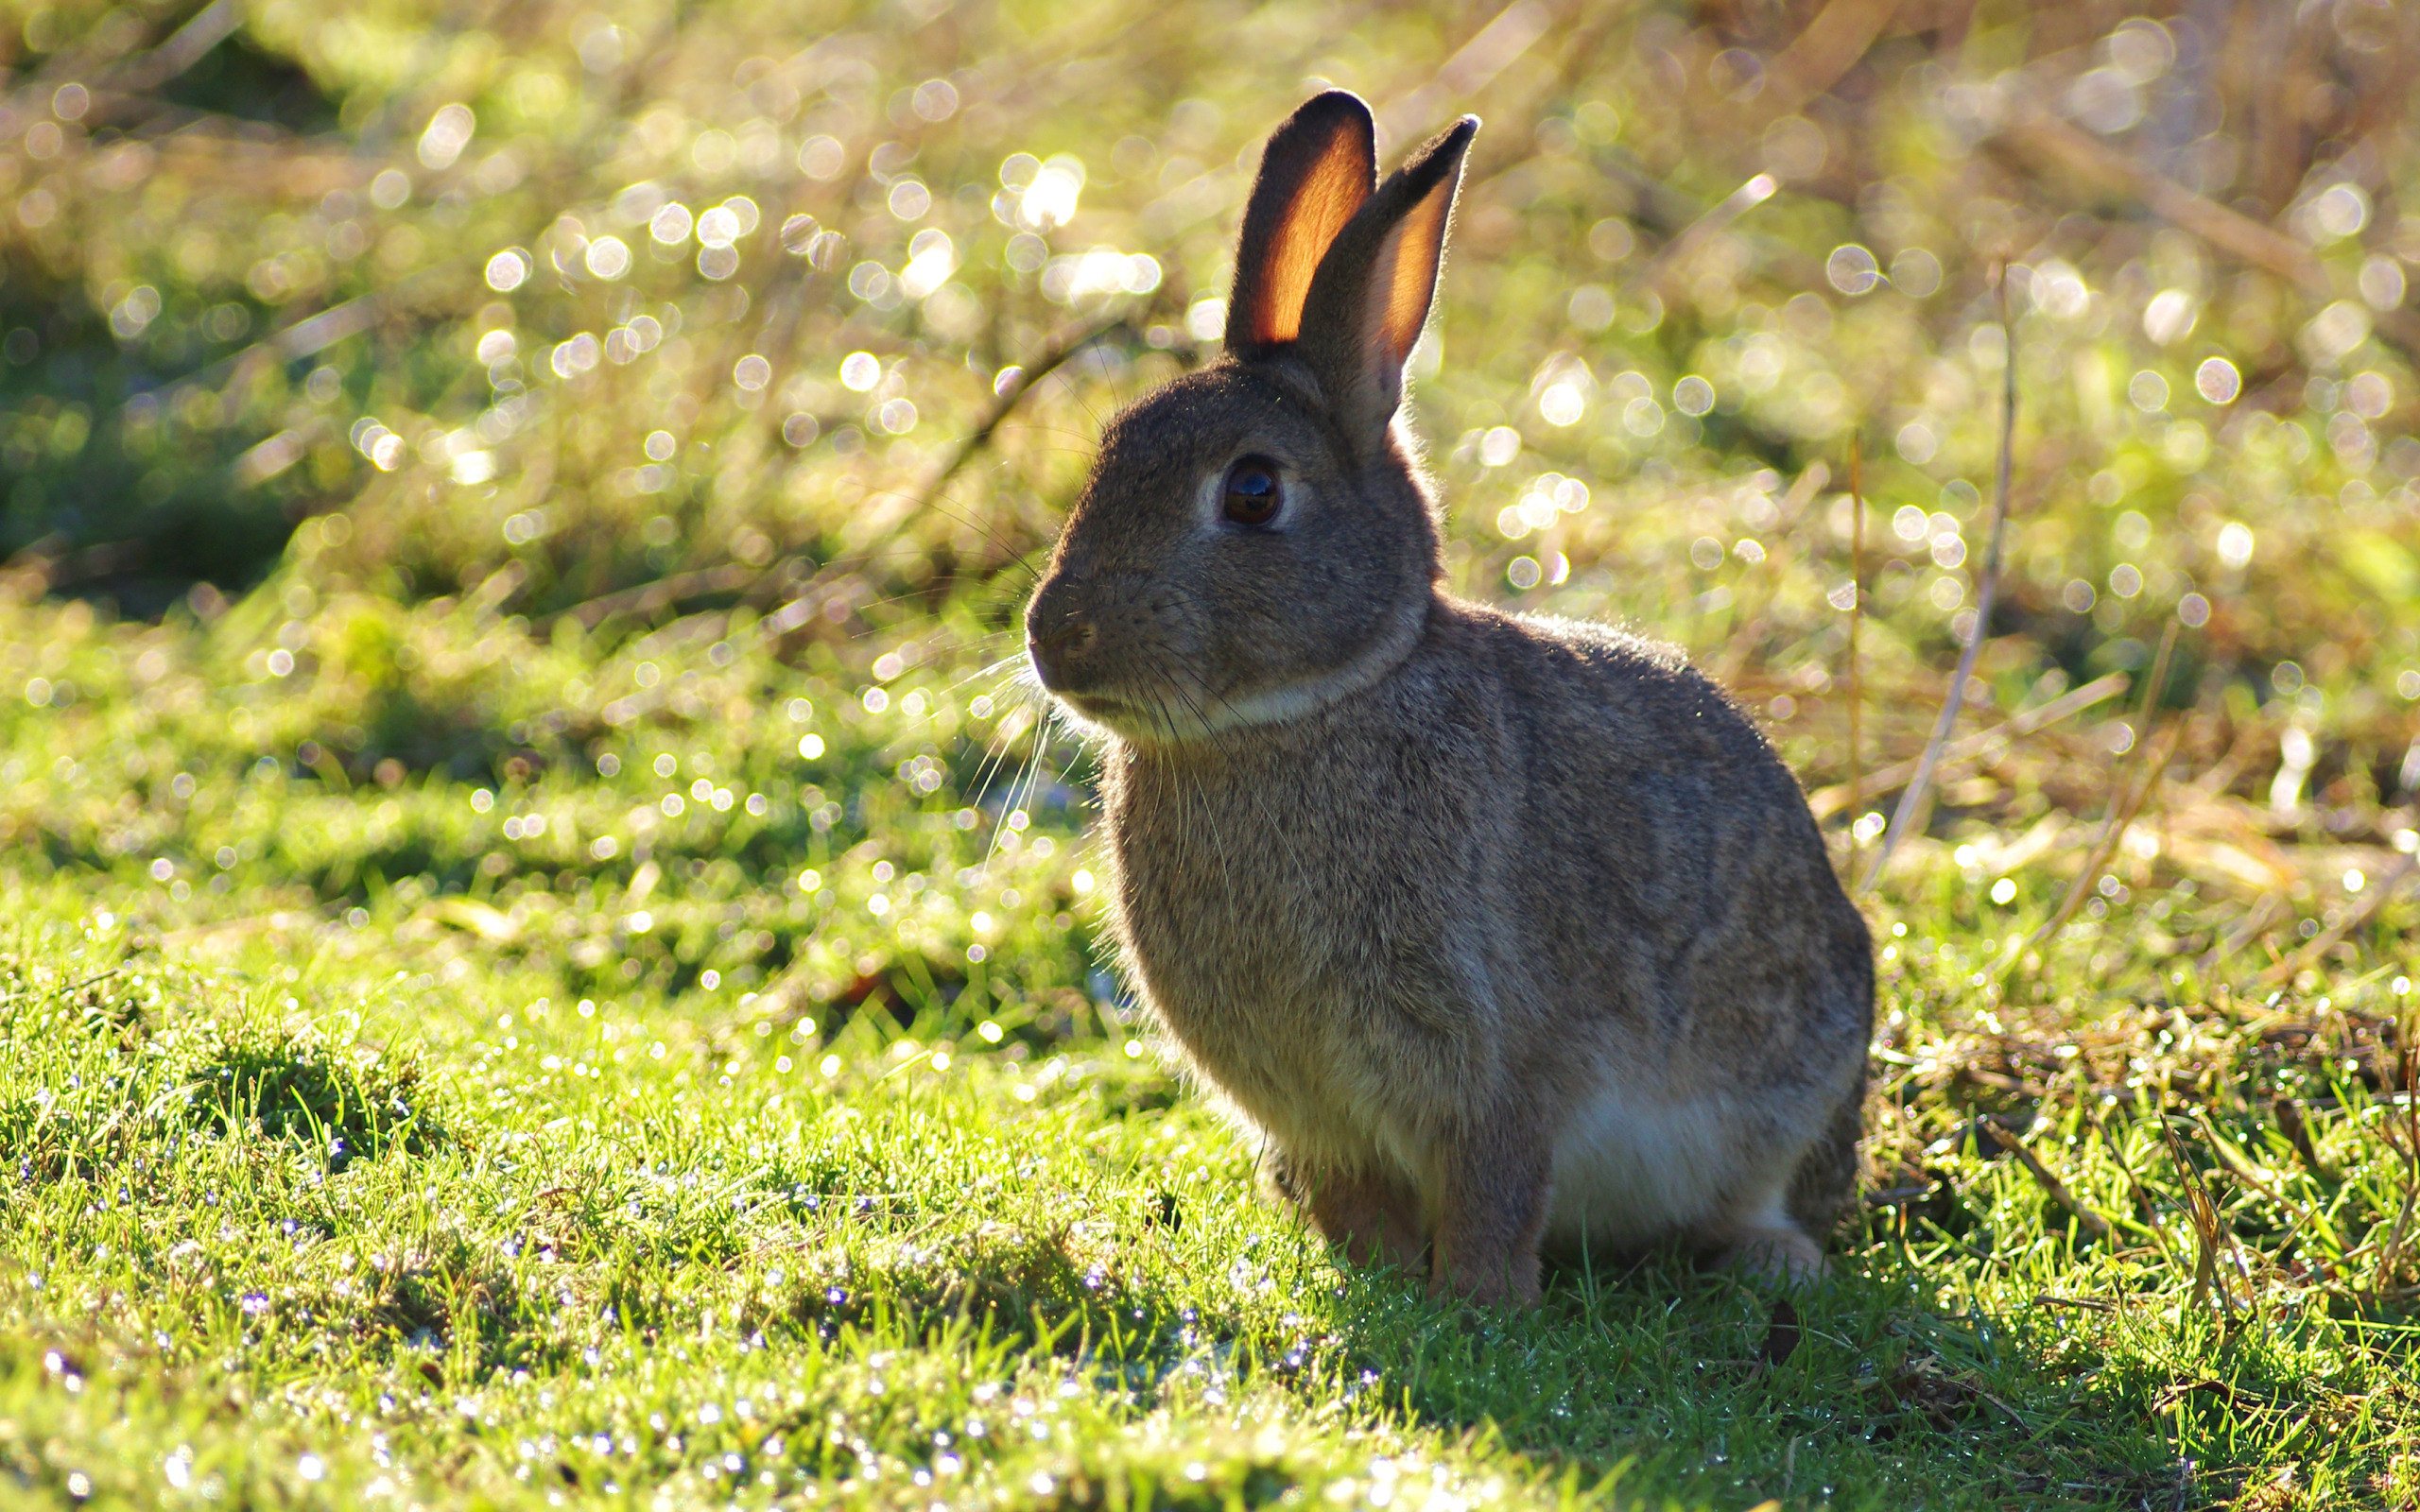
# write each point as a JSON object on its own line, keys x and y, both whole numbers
{"x": 1099, "y": 707}
{"x": 1143, "y": 707}
{"x": 1135, "y": 718}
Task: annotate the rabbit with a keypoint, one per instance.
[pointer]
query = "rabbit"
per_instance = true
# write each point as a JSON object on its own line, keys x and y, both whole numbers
{"x": 1502, "y": 931}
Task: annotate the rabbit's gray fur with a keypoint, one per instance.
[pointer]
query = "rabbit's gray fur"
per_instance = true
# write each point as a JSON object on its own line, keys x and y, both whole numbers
{"x": 1502, "y": 930}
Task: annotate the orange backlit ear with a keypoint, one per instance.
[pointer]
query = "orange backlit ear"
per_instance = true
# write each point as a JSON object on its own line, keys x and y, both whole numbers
{"x": 1370, "y": 297}
{"x": 1316, "y": 172}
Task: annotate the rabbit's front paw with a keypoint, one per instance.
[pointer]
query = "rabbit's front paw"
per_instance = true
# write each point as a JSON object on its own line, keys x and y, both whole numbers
{"x": 1511, "y": 1278}
{"x": 1777, "y": 1255}
{"x": 1374, "y": 1219}
{"x": 1494, "y": 1213}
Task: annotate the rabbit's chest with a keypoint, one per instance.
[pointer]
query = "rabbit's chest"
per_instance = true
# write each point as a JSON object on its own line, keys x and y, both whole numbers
{"x": 1243, "y": 955}
{"x": 1291, "y": 951}
{"x": 1231, "y": 896}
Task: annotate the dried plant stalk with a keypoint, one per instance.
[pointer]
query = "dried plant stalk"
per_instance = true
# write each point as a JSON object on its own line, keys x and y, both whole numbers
{"x": 2202, "y": 1211}
{"x": 2384, "y": 888}
{"x": 2008, "y": 1139}
{"x": 1857, "y": 615}
{"x": 1827, "y": 801}
{"x": 1916, "y": 801}
{"x": 2390, "y": 1262}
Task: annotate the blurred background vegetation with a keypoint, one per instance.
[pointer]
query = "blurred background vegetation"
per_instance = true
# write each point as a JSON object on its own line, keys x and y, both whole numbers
{"x": 598, "y": 322}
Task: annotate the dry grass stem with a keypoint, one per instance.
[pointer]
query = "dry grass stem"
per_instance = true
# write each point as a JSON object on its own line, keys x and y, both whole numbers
{"x": 1857, "y": 617}
{"x": 1986, "y": 744}
{"x": 2373, "y": 899}
{"x": 2004, "y": 1136}
{"x": 1915, "y": 803}
{"x": 2390, "y": 1262}
{"x": 1053, "y": 357}
{"x": 2202, "y": 1211}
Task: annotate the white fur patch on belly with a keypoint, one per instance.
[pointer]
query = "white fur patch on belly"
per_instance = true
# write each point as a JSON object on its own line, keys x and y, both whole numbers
{"x": 1629, "y": 1172}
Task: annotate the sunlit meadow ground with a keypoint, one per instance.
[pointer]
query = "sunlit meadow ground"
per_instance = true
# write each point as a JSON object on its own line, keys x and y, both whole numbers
{"x": 726, "y": 1107}
{"x": 544, "y": 961}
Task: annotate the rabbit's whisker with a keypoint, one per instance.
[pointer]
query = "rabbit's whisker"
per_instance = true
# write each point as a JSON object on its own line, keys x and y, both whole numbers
{"x": 1041, "y": 428}
{"x": 1068, "y": 383}
{"x": 1085, "y": 447}
{"x": 1236, "y": 723}
{"x": 1209, "y": 806}
{"x": 1020, "y": 691}
{"x": 1023, "y": 687}
{"x": 1001, "y": 665}
{"x": 1020, "y": 794}
{"x": 1226, "y": 738}
{"x": 996, "y": 752}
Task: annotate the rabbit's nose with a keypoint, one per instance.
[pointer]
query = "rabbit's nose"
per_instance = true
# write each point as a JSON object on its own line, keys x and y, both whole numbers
{"x": 1057, "y": 647}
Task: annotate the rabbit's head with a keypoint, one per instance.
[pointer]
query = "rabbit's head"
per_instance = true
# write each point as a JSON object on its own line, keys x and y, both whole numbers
{"x": 1255, "y": 539}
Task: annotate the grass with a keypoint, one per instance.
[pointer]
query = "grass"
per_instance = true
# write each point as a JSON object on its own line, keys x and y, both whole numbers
{"x": 377, "y": 1146}
{"x": 541, "y": 964}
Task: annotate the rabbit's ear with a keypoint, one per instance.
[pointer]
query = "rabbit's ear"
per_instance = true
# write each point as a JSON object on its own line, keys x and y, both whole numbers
{"x": 1316, "y": 171}
{"x": 1371, "y": 296}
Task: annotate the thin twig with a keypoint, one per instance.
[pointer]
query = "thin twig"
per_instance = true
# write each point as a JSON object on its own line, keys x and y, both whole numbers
{"x": 1827, "y": 801}
{"x": 2083, "y": 1304}
{"x": 2391, "y": 1256}
{"x": 2264, "y": 913}
{"x": 656, "y": 593}
{"x": 2203, "y": 1210}
{"x": 315, "y": 333}
{"x": 1493, "y": 48}
{"x": 1043, "y": 366}
{"x": 2143, "y": 1197}
{"x": 1856, "y": 614}
{"x": 1914, "y": 802}
{"x": 2084, "y": 162}
{"x": 63, "y": 991}
{"x": 1832, "y": 43}
{"x": 1667, "y": 264}
{"x": 187, "y": 46}
{"x": 2080, "y": 165}
{"x": 2245, "y": 1171}
{"x": 2008, "y": 1139}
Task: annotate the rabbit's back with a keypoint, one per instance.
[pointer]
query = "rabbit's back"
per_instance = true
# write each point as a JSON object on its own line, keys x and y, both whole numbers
{"x": 1669, "y": 843}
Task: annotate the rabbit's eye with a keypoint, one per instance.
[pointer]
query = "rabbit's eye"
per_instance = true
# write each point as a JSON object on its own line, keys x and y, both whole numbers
{"x": 1251, "y": 491}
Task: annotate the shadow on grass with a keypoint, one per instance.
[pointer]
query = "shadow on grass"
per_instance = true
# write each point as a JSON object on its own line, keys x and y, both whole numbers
{"x": 1864, "y": 1390}
{"x": 1872, "y": 1390}
{"x": 1685, "y": 1384}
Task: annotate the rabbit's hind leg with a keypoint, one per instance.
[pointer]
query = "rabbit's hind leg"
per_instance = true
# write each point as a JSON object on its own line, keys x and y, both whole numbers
{"x": 1825, "y": 1184}
{"x": 1781, "y": 1236}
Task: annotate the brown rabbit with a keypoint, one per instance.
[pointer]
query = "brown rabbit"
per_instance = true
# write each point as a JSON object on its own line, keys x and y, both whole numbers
{"x": 1501, "y": 930}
